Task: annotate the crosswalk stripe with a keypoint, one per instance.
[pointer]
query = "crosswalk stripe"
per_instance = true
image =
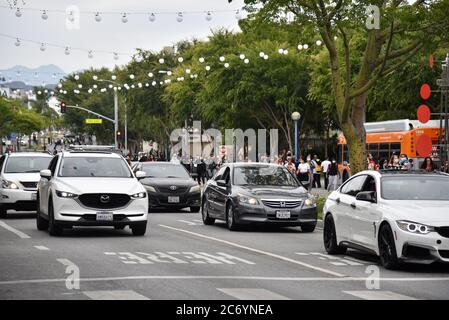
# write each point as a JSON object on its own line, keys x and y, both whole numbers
{"x": 378, "y": 295}
{"x": 252, "y": 294}
{"x": 190, "y": 223}
{"x": 351, "y": 263}
{"x": 41, "y": 248}
{"x": 114, "y": 295}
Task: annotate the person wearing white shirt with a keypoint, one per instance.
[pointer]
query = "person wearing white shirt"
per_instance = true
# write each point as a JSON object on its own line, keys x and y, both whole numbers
{"x": 325, "y": 167}
{"x": 304, "y": 173}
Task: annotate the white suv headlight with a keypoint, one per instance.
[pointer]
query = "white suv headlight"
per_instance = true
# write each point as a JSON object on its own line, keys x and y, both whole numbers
{"x": 9, "y": 185}
{"x": 195, "y": 189}
{"x": 414, "y": 227}
{"x": 64, "y": 194}
{"x": 247, "y": 200}
{"x": 139, "y": 195}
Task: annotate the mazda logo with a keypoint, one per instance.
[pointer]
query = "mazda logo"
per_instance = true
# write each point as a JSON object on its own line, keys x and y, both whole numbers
{"x": 173, "y": 188}
{"x": 104, "y": 198}
{"x": 282, "y": 203}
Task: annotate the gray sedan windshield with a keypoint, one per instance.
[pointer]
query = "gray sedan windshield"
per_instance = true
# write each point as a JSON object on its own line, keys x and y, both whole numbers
{"x": 263, "y": 175}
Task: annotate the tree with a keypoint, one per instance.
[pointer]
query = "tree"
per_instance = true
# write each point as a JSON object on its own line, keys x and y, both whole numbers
{"x": 404, "y": 31}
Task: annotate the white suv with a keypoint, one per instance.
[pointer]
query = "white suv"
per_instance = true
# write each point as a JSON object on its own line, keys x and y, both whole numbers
{"x": 19, "y": 175}
{"x": 91, "y": 188}
{"x": 399, "y": 216}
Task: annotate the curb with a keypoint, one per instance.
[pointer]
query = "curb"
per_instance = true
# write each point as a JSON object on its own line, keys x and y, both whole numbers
{"x": 319, "y": 223}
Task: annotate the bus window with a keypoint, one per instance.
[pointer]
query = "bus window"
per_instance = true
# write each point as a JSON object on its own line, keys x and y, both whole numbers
{"x": 384, "y": 151}
{"x": 395, "y": 147}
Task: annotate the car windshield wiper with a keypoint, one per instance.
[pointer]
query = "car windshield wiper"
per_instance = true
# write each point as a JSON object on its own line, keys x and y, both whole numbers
{"x": 172, "y": 177}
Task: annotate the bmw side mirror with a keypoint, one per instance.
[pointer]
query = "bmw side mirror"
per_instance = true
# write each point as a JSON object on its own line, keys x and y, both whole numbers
{"x": 45, "y": 174}
{"x": 368, "y": 196}
{"x": 140, "y": 175}
{"x": 221, "y": 183}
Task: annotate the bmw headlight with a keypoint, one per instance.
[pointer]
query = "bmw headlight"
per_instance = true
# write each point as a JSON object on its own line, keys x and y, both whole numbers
{"x": 150, "y": 189}
{"x": 414, "y": 227}
{"x": 139, "y": 195}
{"x": 195, "y": 189}
{"x": 9, "y": 185}
{"x": 310, "y": 202}
{"x": 64, "y": 194}
{"x": 247, "y": 200}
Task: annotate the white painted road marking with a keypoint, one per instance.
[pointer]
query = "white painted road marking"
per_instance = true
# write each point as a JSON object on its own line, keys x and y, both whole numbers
{"x": 174, "y": 277}
{"x": 13, "y": 230}
{"x": 273, "y": 255}
{"x": 190, "y": 223}
{"x": 115, "y": 295}
{"x": 66, "y": 262}
{"x": 336, "y": 261}
{"x": 41, "y": 248}
{"x": 252, "y": 294}
{"x": 378, "y": 295}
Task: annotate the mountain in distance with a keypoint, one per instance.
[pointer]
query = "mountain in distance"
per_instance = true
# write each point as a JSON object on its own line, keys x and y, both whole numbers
{"x": 47, "y": 74}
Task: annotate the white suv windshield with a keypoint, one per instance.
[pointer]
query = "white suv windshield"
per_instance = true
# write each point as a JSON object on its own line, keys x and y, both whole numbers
{"x": 94, "y": 167}
{"x": 417, "y": 187}
{"x": 26, "y": 164}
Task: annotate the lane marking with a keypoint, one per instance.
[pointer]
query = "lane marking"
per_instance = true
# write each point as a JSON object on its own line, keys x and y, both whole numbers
{"x": 252, "y": 294}
{"x": 351, "y": 263}
{"x": 66, "y": 262}
{"x": 190, "y": 223}
{"x": 336, "y": 261}
{"x": 115, "y": 295}
{"x": 273, "y": 255}
{"x": 198, "y": 220}
{"x": 340, "y": 264}
{"x": 13, "y": 230}
{"x": 41, "y": 248}
{"x": 378, "y": 295}
{"x": 299, "y": 279}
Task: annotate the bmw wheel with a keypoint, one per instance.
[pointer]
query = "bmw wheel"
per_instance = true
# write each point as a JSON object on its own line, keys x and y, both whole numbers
{"x": 205, "y": 215}
{"x": 387, "y": 248}
{"x": 330, "y": 237}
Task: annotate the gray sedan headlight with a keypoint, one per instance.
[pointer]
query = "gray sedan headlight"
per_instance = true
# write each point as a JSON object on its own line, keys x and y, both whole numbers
{"x": 195, "y": 189}
{"x": 9, "y": 185}
{"x": 310, "y": 201}
{"x": 247, "y": 200}
{"x": 139, "y": 195}
{"x": 414, "y": 227}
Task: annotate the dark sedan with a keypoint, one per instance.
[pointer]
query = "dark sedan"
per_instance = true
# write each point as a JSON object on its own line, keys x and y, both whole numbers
{"x": 256, "y": 193}
{"x": 169, "y": 186}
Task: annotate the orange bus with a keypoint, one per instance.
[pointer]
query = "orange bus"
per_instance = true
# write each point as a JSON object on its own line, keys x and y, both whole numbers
{"x": 382, "y": 143}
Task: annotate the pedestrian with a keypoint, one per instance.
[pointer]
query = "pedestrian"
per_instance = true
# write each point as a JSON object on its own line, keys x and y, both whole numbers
{"x": 290, "y": 166}
{"x": 333, "y": 176}
{"x": 201, "y": 171}
{"x": 316, "y": 170}
{"x": 445, "y": 167}
{"x": 325, "y": 167}
{"x": 372, "y": 165}
{"x": 304, "y": 173}
{"x": 428, "y": 165}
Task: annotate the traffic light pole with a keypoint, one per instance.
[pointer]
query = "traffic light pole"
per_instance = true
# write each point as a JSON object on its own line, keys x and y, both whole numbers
{"x": 90, "y": 111}
{"x": 115, "y": 118}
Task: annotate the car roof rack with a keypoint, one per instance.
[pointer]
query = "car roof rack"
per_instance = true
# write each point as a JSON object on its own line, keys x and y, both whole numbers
{"x": 75, "y": 148}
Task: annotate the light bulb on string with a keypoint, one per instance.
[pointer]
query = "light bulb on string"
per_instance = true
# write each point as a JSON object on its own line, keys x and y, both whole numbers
{"x": 208, "y": 16}
{"x": 169, "y": 73}
{"x": 80, "y": 86}
{"x": 207, "y": 68}
{"x": 222, "y": 58}
{"x": 95, "y": 86}
{"x": 124, "y": 18}
{"x": 18, "y": 13}
{"x": 44, "y": 15}
{"x": 180, "y": 59}
{"x": 179, "y": 18}
{"x": 131, "y": 76}
{"x": 139, "y": 85}
{"x": 53, "y": 75}
{"x": 281, "y": 51}
{"x": 138, "y": 58}
{"x": 95, "y": 77}
{"x": 318, "y": 42}
{"x": 242, "y": 56}
{"x": 90, "y": 54}
{"x": 226, "y": 65}
{"x": 246, "y": 61}
{"x": 71, "y": 17}
{"x": 300, "y": 47}
{"x": 161, "y": 60}
{"x": 90, "y": 90}
{"x": 67, "y": 51}
{"x": 60, "y": 85}
{"x": 113, "y": 77}
{"x": 110, "y": 86}
{"x": 97, "y": 17}
{"x": 238, "y": 15}
{"x": 201, "y": 60}
{"x": 147, "y": 84}
{"x": 152, "y": 17}
{"x": 150, "y": 74}
{"x": 17, "y": 43}
{"x": 265, "y": 57}
{"x": 43, "y": 47}
{"x": 188, "y": 71}
{"x": 153, "y": 83}
{"x": 115, "y": 55}
{"x": 261, "y": 54}
{"x": 285, "y": 52}
{"x": 306, "y": 46}
{"x": 77, "y": 77}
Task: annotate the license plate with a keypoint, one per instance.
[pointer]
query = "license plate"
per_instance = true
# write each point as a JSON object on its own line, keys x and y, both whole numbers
{"x": 283, "y": 214}
{"x": 173, "y": 199}
{"x": 34, "y": 196}
{"x": 105, "y": 216}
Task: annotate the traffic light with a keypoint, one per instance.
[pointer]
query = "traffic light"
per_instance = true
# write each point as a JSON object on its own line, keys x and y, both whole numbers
{"x": 63, "y": 106}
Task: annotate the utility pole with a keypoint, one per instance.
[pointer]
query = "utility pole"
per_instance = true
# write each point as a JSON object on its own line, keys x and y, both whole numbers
{"x": 115, "y": 118}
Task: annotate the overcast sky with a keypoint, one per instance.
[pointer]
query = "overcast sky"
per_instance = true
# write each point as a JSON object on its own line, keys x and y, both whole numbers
{"x": 110, "y": 34}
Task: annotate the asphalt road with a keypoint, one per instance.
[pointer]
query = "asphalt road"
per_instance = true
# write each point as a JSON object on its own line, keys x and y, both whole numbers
{"x": 180, "y": 258}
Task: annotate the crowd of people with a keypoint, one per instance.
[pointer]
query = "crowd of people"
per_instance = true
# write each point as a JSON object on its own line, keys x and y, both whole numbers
{"x": 402, "y": 162}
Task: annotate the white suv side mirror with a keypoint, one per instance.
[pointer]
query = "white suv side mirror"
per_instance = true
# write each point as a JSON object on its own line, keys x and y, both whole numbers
{"x": 45, "y": 174}
{"x": 140, "y": 175}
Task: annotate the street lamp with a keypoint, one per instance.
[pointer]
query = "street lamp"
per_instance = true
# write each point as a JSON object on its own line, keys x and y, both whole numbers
{"x": 115, "y": 109}
{"x": 295, "y": 117}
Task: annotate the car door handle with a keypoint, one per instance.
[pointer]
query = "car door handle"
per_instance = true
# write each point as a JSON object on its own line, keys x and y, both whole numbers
{"x": 337, "y": 200}
{"x": 353, "y": 206}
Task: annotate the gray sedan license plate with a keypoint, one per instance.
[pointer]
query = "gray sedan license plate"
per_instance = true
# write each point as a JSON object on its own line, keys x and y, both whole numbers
{"x": 283, "y": 214}
{"x": 105, "y": 216}
{"x": 173, "y": 199}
